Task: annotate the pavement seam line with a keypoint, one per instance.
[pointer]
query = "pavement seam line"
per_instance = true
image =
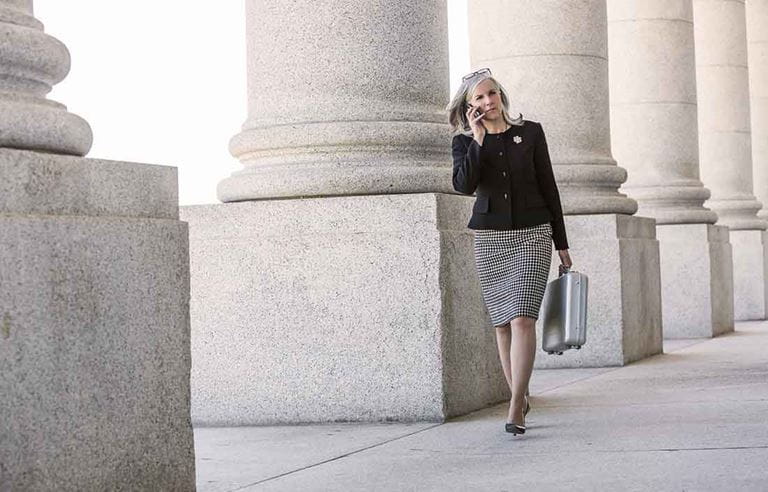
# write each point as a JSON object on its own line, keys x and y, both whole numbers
{"x": 606, "y": 451}
{"x": 337, "y": 457}
{"x": 709, "y": 448}
{"x": 654, "y": 403}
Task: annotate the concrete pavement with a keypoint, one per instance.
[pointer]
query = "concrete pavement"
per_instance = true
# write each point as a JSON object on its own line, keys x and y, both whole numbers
{"x": 694, "y": 418}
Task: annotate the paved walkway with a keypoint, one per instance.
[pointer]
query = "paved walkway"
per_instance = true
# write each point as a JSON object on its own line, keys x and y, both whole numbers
{"x": 695, "y": 418}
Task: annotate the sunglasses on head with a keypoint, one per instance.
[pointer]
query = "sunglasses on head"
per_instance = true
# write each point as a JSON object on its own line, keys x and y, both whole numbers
{"x": 482, "y": 71}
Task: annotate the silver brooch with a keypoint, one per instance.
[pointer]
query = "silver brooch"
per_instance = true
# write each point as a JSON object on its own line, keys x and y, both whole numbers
{"x": 517, "y": 139}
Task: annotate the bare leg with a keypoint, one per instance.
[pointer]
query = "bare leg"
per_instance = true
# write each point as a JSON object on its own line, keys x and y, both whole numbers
{"x": 522, "y": 354}
{"x": 503, "y": 340}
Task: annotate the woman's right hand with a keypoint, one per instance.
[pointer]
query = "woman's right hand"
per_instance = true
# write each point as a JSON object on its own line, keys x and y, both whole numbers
{"x": 475, "y": 124}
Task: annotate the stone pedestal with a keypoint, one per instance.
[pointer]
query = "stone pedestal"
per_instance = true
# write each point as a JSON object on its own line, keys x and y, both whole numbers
{"x": 620, "y": 255}
{"x": 94, "y": 294}
{"x": 94, "y": 326}
{"x": 750, "y": 262}
{"x": 696, "y": 280}
{"x": 338, "y": 309}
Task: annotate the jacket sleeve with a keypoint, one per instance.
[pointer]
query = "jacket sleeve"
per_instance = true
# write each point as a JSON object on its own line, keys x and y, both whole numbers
{"x": 546, "y": 179}
{"x": 466, "y": 165}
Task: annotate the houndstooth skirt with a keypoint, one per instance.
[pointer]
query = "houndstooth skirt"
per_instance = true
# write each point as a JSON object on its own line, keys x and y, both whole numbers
{"x": 513, "y": 267}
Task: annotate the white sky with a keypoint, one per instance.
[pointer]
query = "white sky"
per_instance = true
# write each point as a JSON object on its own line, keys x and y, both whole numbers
{"x": 163, "y": 82}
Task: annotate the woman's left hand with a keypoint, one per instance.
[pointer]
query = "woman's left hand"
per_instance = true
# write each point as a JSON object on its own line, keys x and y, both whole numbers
{"x": 565, "y": 258}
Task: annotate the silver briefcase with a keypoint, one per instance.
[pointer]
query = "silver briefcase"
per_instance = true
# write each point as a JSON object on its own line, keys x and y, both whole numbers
{"x": 563, "y": 313}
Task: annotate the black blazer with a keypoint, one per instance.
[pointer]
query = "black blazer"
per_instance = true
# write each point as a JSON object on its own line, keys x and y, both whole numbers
{"x": 513, "y": 177}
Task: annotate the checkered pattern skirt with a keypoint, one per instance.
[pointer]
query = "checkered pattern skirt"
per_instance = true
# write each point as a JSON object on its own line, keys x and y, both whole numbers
{"x": 513, "y": 267}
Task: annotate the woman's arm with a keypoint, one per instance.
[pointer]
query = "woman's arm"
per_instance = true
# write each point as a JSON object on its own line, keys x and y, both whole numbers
{"x": 466, "y": 165}
{"x": 546, "y": 179}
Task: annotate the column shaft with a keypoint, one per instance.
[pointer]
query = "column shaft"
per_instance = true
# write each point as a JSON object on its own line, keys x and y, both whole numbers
{"x": 344, "y": 97}
{"x": 757, "y": 50}
{"x": 551, "y": 57}
{"x": 723, "y": 111}
{"x": 653, "y": 108}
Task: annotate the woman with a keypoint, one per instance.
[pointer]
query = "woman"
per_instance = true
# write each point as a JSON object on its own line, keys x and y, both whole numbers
{"x": 516, "y": 217}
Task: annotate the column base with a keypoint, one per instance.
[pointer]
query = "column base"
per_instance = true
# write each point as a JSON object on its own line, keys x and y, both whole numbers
{"x": 620, "y": 255}
{"x": 696, "y": 280}
{"x": 32, "y": 62}
{"x": 750, "y": 274}
{"x": 94, "y": 330}
{"x": 341, "y": 158}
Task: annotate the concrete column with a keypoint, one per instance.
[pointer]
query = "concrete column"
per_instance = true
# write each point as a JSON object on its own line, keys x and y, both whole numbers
{"x": 31, "y": 62}
{"x": 757, "y": 55}
{"x": 654, "y": 135}
{"x": 343, "y": 99}
{"x": 724, "y": 144}
{"x": 552, "y": 58}
{"x": 373, "y": 297}
{"x": 94, "y": 295}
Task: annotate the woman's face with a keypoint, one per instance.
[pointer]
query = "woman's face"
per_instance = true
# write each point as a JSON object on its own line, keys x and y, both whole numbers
{"x": 487, "y": 99}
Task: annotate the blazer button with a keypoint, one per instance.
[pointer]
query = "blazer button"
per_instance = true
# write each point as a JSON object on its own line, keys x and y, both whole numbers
{"x": 501, "y": 153}
{"x": 504, "y": 173}
{"x": 505, "y": 196}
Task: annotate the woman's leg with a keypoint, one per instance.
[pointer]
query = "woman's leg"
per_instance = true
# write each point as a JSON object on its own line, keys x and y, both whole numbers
{"x": 503, "y": 339}
{"x": 522, "y": 353}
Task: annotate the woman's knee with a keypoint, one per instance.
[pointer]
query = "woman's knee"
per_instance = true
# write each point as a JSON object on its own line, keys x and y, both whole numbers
{"x": 523, "y": 323}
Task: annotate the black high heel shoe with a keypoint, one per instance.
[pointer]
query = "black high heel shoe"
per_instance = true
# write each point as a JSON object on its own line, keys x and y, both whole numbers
{"x": 514, "y": 428}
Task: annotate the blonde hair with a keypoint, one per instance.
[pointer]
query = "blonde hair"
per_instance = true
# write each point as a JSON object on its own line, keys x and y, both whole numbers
{"x": 457, "y": 108}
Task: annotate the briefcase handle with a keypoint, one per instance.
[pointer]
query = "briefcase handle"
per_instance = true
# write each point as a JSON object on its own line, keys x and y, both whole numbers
{"x": 562, "y": 270}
